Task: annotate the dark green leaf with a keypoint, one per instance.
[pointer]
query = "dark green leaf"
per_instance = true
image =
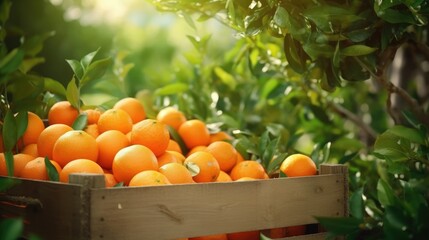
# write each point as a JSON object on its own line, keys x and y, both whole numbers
{"x": 320, "y": 113}
{"x": 385, "y": 194}
{"x": 73, "y": 94}
{"x": 351, "y": 70}
{"x": 95, "y": 70}
{"x": 51, "y": 170}
{"x": 326, "y": 152}
{"x": 226, "y": 78}
{"x": 4, "y": 11}
{"x": 336, "y": 59}
{"x": 408, "y": 133}
{"x": 11, "y": 228}
{"x": 264, "y": 140}
{"x": 292, "y": 48}
{"x": 54, "y": 87}
{"x": 80, "y": 122}
{"x": 281, "y": 17}
{"x": 87, "y": 59}
{"x": 357, "y": 204}
{"x": 397, "y": 16}
{"x": 76, "y": 67}
{"x": 11, "y": 61}
{"x": 8, "y": 156}
{"x": 357, "y": 50}
{"x": 340, "y": 225}
{"x": 7, "y": 183}
{"x": 33, "y": 45}
{"x": 28, "y": 64}
{"x": 276, "y": 162}
{"x": 176, "y": 137}
{"x": 9, "y": 131}
{"x": 21, "y": 120}
{"x": 395, "y": 223}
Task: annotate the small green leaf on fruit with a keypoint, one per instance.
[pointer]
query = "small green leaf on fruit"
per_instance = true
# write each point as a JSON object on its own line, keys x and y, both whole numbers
{"x": 51, "y": 170}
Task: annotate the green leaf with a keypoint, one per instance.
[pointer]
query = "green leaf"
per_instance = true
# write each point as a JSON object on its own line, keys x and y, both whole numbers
{"x": 28, "y": 64}
{"x": 226, "y": 78}
{"x": 395, "y": 224}
{"x": 76, "y": 67}
{"x": 21, "y": 120}
{"x": 171, "y": 89}
{"x": 119, "y": 184}
{"x": 7, "y": 183}
{"x": 9, "y": 131}
{"x": 326, "y": 152}
{"x": 51, "y": 170}
{"x": 294, "y": 54}
{"x": 54, "y": 87}
{"x": 4, "y": 11}
{"x": 408, "y": 133}
{"x": 95, "y": 70}
{"x": 276, "y": 162}
{"x": 33, "y": 45}
{"x": 320, "y": 113}
{"x": 357, "y": 204}
{"x": 8, "y": 156}
{"x": 73, "y": 94}
{"x": 176, "y": 137}
{"x": 80, "y": 122}
{"x": 11, "y": 61}
{"x": 340, "y": 225}
{"x": 357, "y": 50}
{"x": 11, "y": 228}
{"x": 87, "y": 59}
{"x": 192, "y": 168}
{"x": 189, "y": 21}
{"x": 385, "y": 194}
{"x": 281, "y": 17}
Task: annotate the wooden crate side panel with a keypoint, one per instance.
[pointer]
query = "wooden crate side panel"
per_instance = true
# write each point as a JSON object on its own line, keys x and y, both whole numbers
{"x": 170, "y": 212}
{"x": 49, "y": 209}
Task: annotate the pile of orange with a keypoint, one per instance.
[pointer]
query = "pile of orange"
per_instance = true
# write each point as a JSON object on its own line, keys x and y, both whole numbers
{"x": 129, "y": 148}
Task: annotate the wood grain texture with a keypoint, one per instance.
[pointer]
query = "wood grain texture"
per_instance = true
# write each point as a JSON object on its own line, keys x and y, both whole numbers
{"x": 169, "y": 212}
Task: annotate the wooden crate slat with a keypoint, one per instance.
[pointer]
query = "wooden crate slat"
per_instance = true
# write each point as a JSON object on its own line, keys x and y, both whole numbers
{"x": 170, "y": 212}
{"x": 54, "y": 217}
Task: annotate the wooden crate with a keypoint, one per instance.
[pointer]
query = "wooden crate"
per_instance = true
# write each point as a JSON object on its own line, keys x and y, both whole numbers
{"x": 84, "y": 209}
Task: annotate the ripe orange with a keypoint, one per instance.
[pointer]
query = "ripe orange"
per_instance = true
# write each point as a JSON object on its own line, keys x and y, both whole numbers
{"x": 295, "y": 230}
{"x": 220, "y": 136}
{"x": 208, "y": 166}
{"x": 149, "y": 178}
{"x": 34, "y": 127}
{"x": 296, "y": 165}
{"x": 171, "y": 116}
{"x": 170, "y": 157}
{"x": 248, "y": 235}
{"x": 223, "y": 177}
{"x": 248, "y": 168}
{"x": 48, "y": 137}
{"x": 196, "y": 149}
{"x": 174, "y": 146}
{"x": 225, "y": 154}
{"x": 176, "y": 173}
{"x": 73, "y": 145}
{"x": 109, "y": 143}
{"x": 92, "y": 130}
{"x": 240, "y": 158}
{"x": 242, "y": 179}
{"x": 131, "y": 160}
{"x": 133, "y": 107}
{"x": 152, "y": 134}
{"x": 31, "y": 149}
{"x": 79, "y": 166}
{"x": 62, "y": 112}
{"x": 274, "y": 233}
{"x": 211, "y": 237}
{"x": 115, "y": 119}
{"x": 194, "y": 133}
{"x": 92, "y": 116}
{"x": 110, "y": 180}
{"x": 19, "y": 162}
{"x": 36, "y": 169}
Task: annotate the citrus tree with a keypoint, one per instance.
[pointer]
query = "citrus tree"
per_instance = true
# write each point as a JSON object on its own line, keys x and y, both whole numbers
{"x": 351, "y": 75}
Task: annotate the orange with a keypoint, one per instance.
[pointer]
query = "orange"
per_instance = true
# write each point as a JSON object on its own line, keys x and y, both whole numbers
{"x": 248, "y": 168}
{"x": 295, "y": 230}
{"x": 296, "y": 165}
{"x": 196, "y": 149}
{"x": 48, "y": 137}
{"x": 176, "y": 173}
{"x": 92, "y": 116}
{"x": 73, "y": 145}
{"x": 36, "y": 169}
{"x": 62, "y": 112}
{"x": 242, "y": 179}
{"x": 149, "y": 178}
{"x": 131, "y": 160}
{"x": 19, "y": 162}
{"x": 35, "y": 126}
{"x": 152, "y": 134}
{"x": 31, "y": 149}
{"x": 109, "y": 143}
{"x": 115, "y": 119}
{"x": 92, "y": 130}
{"x": 194, "y": 133}
{"x": 220, "y": 136}
{"x": 223, "y": 177}
{"x": 240, "y": 158}
{"x": 79, "y": 166}
{"x": 208, "y": 166}
{"x": 274, "y": 233}
{"x": 248, "y": 235}
{"x": 133, "y": 107}
{"x": 171, "y": 117}
{"x": 173, "y": 146}
{"x": 110, "y": 180}
{"x": 211, "y": 237}
{"x": 170, "y": 157}
{"x": 225, "y": 154}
